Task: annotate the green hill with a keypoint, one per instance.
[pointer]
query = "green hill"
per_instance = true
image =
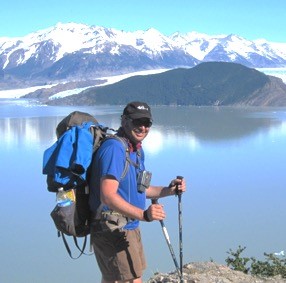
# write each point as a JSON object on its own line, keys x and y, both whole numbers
{"x": 212, "y": 83}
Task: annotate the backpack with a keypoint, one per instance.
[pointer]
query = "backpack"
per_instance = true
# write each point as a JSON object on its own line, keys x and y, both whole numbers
{"x": 66, "y": 164}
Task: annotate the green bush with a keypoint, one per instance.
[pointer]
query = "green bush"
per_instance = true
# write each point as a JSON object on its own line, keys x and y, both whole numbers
{"x": 272, "y": 266}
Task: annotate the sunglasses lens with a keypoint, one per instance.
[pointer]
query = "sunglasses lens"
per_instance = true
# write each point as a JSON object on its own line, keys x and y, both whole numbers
{"x": 142, "y": 122}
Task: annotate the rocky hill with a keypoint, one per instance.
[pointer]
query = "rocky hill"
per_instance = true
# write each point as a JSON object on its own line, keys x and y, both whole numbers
{"x": 210, "y": 272}
{"x": 210, "y": 84}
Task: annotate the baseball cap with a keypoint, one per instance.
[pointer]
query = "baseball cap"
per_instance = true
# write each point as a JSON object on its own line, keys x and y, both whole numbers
{"x": 137, "y": 110}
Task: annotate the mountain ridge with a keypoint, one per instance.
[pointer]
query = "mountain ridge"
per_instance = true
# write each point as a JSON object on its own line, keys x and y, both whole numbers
{"x": 76, "y": 52}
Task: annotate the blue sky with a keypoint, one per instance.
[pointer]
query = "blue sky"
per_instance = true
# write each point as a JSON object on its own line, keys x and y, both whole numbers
{"x": 251, "y": 19}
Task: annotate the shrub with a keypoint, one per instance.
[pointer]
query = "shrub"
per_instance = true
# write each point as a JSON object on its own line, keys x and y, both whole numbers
{"x": 272, "y": 266}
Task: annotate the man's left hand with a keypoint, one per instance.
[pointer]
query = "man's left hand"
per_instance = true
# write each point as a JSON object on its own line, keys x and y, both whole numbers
{"x": 177, "y": 186}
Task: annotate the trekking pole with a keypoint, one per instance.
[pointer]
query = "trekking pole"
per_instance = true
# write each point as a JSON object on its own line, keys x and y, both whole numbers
{"x": 165, "y": 232}
{"x": 179, "y": 193}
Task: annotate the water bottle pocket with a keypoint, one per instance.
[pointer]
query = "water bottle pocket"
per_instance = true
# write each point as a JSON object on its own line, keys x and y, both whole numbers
{"x": 64, "y": 218}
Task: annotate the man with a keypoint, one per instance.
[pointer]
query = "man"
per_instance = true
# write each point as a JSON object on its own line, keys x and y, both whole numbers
{"x": 116, "y": 196}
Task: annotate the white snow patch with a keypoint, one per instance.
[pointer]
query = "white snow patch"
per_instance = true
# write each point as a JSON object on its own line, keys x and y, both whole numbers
{"x": 18, "y": 93}
{"x": 115, "y": 79}
{"x": 276, "y": 72}
{"x": 109, "y": 80}
{"x": 68, "y": 92}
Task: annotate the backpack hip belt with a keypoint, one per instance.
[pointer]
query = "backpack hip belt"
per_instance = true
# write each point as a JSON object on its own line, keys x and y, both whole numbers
{"x": 108, "y": 221}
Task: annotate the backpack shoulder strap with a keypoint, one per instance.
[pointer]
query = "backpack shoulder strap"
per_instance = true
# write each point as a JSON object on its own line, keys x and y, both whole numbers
{"x": 127, "y": 153}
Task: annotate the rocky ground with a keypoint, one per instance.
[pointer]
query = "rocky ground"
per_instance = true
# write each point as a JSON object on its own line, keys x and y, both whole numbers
{"x": 210, "y": 272}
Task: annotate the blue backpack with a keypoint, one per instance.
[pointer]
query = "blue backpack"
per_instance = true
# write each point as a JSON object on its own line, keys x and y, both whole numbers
{"x": 66, "y": 164}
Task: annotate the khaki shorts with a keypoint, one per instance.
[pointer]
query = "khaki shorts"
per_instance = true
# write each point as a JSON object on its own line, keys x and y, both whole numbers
{"x": 119, "y": 254}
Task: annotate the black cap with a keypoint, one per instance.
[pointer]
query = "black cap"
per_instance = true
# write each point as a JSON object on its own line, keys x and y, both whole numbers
{"x": 137, "y": 110}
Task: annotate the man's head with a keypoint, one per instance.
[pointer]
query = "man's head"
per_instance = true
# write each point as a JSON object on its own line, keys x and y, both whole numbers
{"x": 136, "y": 120}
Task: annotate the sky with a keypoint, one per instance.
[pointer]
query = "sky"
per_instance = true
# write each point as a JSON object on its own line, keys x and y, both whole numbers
{"x": 251, "y": 19}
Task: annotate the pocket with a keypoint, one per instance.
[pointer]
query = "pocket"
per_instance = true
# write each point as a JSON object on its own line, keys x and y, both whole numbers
{"x": 111, "y": 222}
{"x": 64, "y": 218}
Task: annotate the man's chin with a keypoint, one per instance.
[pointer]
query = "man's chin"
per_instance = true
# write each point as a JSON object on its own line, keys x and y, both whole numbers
{"x": 138, "y": 137}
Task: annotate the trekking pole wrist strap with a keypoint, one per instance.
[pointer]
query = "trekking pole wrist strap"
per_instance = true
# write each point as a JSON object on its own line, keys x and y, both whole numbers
{"x": 146, "y": 217}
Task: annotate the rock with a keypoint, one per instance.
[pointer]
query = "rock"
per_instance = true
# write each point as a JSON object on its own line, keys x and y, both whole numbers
{"x": 210, "y": 272}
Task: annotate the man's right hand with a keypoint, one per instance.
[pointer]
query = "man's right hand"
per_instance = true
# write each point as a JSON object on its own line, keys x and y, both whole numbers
{"x": 155, "y": 212}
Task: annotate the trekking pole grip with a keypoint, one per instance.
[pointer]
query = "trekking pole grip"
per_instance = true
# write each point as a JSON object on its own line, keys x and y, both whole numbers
{"x": 177, "y": 190}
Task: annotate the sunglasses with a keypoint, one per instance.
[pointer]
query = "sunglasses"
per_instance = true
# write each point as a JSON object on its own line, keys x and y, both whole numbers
{"x": 141, "y": 122}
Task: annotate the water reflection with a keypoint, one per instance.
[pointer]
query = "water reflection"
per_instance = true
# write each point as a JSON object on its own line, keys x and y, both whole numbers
{"x": 213, "y": 123}
{"x": 183, "y": 125}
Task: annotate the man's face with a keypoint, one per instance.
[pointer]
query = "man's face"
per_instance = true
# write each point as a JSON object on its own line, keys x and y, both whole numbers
{"x": 136, "y": 129}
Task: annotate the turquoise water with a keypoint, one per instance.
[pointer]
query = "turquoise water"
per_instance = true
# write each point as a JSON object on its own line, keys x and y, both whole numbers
{"x": 232, "y": 158}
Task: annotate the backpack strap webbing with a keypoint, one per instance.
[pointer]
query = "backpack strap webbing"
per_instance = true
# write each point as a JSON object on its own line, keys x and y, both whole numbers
{"x": 81, "y": 249}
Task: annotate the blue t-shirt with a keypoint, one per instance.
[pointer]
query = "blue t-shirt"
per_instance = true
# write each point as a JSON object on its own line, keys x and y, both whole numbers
{"x": 110, "y": 160}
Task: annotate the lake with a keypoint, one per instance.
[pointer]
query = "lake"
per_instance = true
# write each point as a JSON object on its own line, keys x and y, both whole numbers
{"x": 232, "y": 158}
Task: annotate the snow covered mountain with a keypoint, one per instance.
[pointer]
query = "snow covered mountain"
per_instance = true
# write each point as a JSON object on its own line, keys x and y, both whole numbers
{"x": 73, "y": 51}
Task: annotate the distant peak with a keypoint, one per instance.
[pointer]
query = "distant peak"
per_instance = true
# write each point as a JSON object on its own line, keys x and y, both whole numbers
{"x": 70, "y": 25}
{"x": 152, "y": 30}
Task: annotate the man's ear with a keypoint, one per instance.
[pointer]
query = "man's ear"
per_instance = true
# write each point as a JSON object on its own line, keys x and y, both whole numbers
{"x": 123, "y": 120}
